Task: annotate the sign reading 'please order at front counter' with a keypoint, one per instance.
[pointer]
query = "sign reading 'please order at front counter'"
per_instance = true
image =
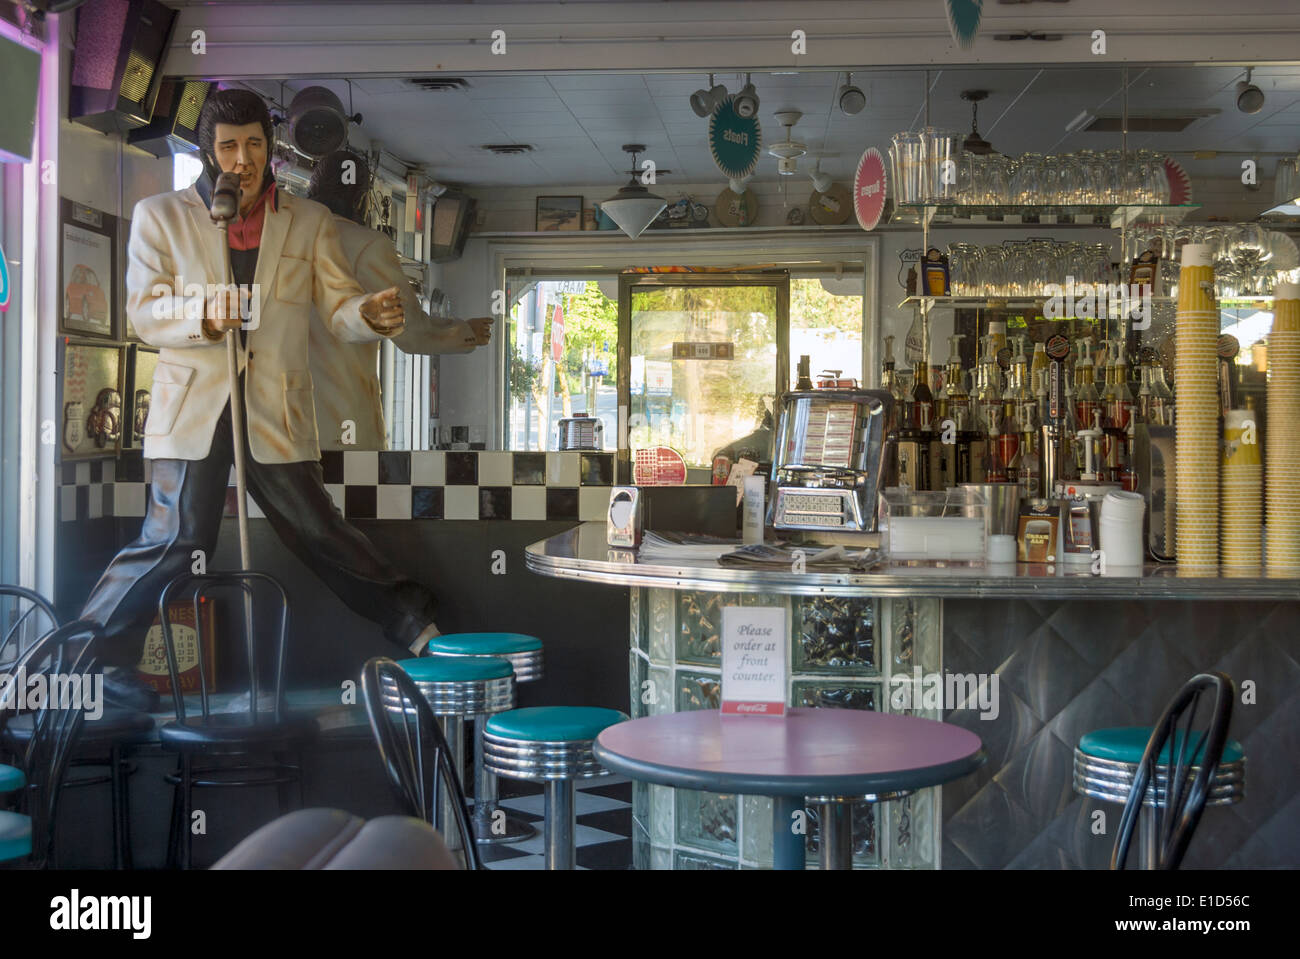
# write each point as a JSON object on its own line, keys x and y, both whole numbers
{"x": 753, "y": 660}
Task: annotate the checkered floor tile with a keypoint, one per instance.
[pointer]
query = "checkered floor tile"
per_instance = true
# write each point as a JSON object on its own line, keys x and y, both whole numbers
{"x": 603, "y": 838}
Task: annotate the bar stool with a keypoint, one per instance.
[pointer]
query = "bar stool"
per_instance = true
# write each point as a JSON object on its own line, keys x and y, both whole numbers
{"x": 524, "y": 653}
{"x": 459, "y": 688}
{"x": 551, "y": 745}
{"x": 1106, "y": 762}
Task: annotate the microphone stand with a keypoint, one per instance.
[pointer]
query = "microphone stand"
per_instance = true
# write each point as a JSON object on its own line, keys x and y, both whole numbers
{"x": 241, "y": 485}
{"x": 236, "y": 411}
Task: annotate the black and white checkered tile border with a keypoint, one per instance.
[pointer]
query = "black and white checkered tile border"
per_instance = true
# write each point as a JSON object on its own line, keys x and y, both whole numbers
{"x": 397, "y": 484}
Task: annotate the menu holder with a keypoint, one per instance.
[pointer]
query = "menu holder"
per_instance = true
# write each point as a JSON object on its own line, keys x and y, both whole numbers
{"x": 754, "y": 660}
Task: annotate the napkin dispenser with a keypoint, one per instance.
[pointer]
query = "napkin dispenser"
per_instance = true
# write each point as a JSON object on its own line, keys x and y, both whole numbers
{"x": 1153, "y": 458}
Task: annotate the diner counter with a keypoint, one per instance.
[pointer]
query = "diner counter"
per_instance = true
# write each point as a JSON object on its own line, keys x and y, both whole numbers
{"x": 1026, "y": 659}
{"x": 582, "y": 553}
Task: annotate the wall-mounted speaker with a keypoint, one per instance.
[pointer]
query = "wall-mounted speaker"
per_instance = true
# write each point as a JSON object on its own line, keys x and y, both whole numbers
{"x": 175, "y": 124}
{"x": 452, "y": 215}
{"x": 117, "y": 62}
{"x": 20, "y": 78}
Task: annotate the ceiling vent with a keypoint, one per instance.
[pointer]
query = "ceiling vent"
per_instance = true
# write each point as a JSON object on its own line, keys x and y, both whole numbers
{"x": 508, "y": 149}
{"x": 1171, "y": 123}
{"x": 438, "y": 84}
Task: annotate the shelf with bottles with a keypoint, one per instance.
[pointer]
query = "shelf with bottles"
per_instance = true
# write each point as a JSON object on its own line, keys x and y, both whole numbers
{"x": 1111, "y": 215}
{"x": 1010, "y": 302}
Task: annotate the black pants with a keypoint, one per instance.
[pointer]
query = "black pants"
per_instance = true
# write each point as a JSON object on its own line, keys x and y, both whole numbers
{"x": 185, "y": 508}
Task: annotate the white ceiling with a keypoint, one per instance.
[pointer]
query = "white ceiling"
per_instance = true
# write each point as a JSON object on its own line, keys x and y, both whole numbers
{"x": 577, "y": 122}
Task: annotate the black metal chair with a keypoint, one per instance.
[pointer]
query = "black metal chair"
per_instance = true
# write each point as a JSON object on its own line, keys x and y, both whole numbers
{"x": 105, "y": 741}
{"x": 64, "y": 659}
{"x": 1178, "y": 766}
{"x": 242, "y": 748}
{"x": 26, "y": 626}
{"x": 414, "y": 752}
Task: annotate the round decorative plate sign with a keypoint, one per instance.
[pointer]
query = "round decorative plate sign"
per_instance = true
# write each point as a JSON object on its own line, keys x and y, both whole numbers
{"x": 869, "y": 189}
{"x": 734, "y": 140}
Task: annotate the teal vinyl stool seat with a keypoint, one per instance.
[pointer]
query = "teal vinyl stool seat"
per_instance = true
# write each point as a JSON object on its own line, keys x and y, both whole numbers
{"x": 15, "y": 836}
{"x": 458, "y": 688}
{"x": 11, "y": 778}
{"x": 524, "y": 653}
{"x": 551, "y": 745}
{"x": 1106, "y": 762}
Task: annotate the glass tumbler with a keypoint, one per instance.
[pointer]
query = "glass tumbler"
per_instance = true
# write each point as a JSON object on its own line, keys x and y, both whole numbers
{"x": 910, "y": 175}
{"x": 941, "y": 150}
{"x": 1027, "y": 181}
{"x": 963, "y": 268}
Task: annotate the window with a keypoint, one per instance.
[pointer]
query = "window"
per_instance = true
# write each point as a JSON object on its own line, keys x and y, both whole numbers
{"x": 561, "y": 360}
{"x": 186, "y": 168}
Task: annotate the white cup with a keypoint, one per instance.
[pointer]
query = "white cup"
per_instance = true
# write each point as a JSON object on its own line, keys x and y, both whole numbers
{"x": 1121, "y": 528}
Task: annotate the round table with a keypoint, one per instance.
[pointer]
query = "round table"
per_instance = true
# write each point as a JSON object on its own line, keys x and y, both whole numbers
{"x": 824, "y": 753}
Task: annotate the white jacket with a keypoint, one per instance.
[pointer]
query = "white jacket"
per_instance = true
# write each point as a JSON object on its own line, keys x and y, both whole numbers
{"x": 346, "y": 374}
{"x": 300, "y": 263}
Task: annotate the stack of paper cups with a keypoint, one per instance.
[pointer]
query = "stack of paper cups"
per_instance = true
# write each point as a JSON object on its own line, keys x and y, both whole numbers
{"x": 1196, "y": 420}
{"x": 1282, "y": 555}
{"x": 1242, "y": 496}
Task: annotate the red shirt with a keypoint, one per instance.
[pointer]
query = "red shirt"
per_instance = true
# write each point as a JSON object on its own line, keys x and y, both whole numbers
{"x": 246, "y": 232}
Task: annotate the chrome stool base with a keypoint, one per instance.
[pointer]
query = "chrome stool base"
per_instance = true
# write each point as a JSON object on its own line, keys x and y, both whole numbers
{"x": 491, "y": 829}
{"x": 1111, "y": 781}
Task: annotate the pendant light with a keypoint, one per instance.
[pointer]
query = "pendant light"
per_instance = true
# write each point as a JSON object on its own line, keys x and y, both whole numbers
{"x": 974, "y": 143}
{"x": 634, "y": 207}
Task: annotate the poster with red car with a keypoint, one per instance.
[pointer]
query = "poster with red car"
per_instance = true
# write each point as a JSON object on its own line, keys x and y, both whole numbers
{"x": 88, "y": 277}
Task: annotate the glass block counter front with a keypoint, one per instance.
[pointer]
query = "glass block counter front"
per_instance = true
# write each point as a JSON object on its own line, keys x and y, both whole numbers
{"x": 844, "y": 653}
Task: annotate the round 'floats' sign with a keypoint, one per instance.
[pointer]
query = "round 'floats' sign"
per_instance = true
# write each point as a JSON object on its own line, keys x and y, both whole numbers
{"x": 734, "y": 140}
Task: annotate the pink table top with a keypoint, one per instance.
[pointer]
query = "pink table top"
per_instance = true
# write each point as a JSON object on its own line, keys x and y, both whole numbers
{"x": 833, "y": 752}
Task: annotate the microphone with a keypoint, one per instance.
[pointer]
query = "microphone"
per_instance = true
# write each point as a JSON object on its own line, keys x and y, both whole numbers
{"x": 225, "y": 198}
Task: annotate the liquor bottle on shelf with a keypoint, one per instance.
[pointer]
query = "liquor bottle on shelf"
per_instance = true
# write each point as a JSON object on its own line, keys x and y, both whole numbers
{"x": 889, "y": 377}
{"x": 1040, "y": 362}
{"x": 1145, "y": 396}
{"x": 989, "y": 410}
{"x": 1087, "y": 402}
{"x": 1162, "y": 398}
{"x": 804, "y": 380}
{"x": 922, "y": 396}
{"x": 1119, "y": 412}
{"x": 1030, "y": 435}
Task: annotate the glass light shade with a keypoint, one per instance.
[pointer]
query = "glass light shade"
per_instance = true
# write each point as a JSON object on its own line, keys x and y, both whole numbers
{"x": 633, "y": 209}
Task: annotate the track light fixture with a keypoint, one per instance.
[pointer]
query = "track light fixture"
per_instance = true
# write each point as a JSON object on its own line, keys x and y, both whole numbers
{"x": 821, "y": 181}
{"x": 851, "y": 98}
{"x": 705, "y": 101}
{"x": 1250, "y": 98}
{"x": 746, "y": 102}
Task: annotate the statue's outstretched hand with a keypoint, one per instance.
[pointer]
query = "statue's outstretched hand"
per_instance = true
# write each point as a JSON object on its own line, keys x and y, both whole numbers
{"x": 383, "y": 311}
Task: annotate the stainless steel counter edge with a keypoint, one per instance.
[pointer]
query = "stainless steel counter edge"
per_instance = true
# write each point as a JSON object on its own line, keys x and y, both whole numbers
{"x": 582, "y": 554}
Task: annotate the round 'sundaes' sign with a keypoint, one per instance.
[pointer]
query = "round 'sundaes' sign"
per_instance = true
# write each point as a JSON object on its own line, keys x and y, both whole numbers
{"x": 869, "y": 189}
{"x": 734, "y": 140}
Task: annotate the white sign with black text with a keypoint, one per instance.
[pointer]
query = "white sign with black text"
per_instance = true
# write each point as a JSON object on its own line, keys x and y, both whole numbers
{"x": 754, "y": 642}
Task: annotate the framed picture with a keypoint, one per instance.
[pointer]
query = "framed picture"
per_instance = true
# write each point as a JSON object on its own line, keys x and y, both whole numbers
{"x": 91, "y": 381}
{"x": 559, "y": 213}
{"x": 140, "y": 365}
{"x": 88, "y": 273}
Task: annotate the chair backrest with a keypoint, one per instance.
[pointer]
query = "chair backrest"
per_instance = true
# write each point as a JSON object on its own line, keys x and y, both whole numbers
{"x": 248, "y": 585}
{"x": 1180, "y": 799}
{"x": 52, "y": 682}
{"x": 25, "y": 616}
{"x": 414, "y": 751}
